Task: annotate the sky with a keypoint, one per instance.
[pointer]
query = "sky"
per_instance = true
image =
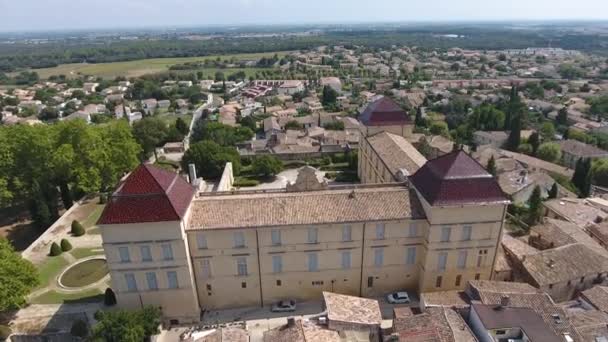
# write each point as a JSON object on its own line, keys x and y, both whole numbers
{"x": 37, "y": 15}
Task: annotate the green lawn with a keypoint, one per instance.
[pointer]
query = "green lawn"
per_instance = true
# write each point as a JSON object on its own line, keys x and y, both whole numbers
{"x": 140, "y": 67}
{"x": 49, "y": 269}
{"x": 93, "y": 216}
{"x": 94, "y": 231}
{"x": 81, "y": 253}
{"x": 54, "y": 297}
{"x": 85, "y": 273}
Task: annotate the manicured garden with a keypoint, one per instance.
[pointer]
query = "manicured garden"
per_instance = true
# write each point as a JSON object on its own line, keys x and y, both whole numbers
{"x": 84, "y": 273}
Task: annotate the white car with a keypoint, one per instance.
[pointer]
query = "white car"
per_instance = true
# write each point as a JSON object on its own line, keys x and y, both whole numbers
{"x": 284, "y": 306}
{"x": 398, "y": 298}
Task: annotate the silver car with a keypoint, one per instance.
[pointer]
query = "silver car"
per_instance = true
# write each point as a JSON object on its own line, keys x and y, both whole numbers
{"x": 398, "y": 298}
{"x": 284, "y": 306}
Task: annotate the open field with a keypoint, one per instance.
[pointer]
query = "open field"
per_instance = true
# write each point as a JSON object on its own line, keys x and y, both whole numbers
{"x": 143, "y": 66}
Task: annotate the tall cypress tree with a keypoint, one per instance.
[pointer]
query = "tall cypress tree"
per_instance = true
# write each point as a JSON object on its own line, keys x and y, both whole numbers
{"x": 491, "y": 168}
{"x": 513, "y": 119}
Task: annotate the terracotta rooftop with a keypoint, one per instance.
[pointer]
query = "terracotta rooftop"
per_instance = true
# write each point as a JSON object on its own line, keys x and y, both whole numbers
{"x": 378, "y": 203}
{"x": 591, "y": 325}
{"x": 597, "y": 296}
{"x": 220, "y": 335}
{"x": 301, "y": 331}
{"x": 498, "y": 317}
{"x": 516, "y": 248}
{"x": 558, "y": 265}
{"x": 560, "y": 233}
{"x": 396, "y": 152}
{"x": 455, "y": 179}
{"x": 453, "y": 298}
{"x": 436, "y": 324}
{"x": 504, "y": 287}
{"x": 576, "y": 210}
{"x": 581, "y": 149}
{"x": 384, "y": 112}
{"x": 149, "y": 194}
{"x": 350, "y": 309}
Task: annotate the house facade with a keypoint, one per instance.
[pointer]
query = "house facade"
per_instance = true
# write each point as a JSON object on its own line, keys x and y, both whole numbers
{"x": 185, "y": 252}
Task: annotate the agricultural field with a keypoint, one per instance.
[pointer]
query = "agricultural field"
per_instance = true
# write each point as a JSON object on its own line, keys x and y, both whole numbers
{"x": 147, "y": 66}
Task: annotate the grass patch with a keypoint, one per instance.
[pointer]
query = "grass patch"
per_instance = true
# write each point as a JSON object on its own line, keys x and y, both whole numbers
{"x": 141, "y": 67}
{"x": 91, "y": 221}
{"x": 54, "y": 297}
{"x": 81, "y": 253}
{"x": 50, "y": 269}
{"x": 94, "y": 231}
{"x": 85, "y": 273}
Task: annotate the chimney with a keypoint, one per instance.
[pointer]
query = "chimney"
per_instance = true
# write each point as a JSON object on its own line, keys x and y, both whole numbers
{"x": 291, "y": 321}
{"x": 505, "y": 301}
{"x": 192, "y": 173}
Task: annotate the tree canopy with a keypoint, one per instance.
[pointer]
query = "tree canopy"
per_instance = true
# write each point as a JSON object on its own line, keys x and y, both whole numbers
{"x": 126, "y": 326}
{"x": 17, "y": 277}
{"x": 223, "y": 135}
{"x": 210, "y": 158}
{"x": 266, "y": 165}
{"x": 549, "y": 152}
{"x": 70, "y": 155}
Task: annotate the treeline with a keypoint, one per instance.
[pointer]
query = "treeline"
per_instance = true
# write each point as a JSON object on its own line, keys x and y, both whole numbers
{"x": 42, "y": 166}
{"x": 18, "y": 56}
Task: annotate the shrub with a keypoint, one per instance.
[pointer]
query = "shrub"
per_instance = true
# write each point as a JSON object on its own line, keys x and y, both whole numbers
{"x": 65, "y": 245}
{"x": 55, "y": 249}
{"x": 5, "y": 332}
{"x": 245, "y": 182}
{"x": 79, "y": 329}
{"x": 109, "y": 298}
{"x": 77, "y": 228}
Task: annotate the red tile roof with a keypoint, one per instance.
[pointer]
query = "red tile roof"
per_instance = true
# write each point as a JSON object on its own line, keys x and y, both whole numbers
{"x": 383, "y": 112}
{"x": 149, "y": 194}
{"x": 454, "y": 179}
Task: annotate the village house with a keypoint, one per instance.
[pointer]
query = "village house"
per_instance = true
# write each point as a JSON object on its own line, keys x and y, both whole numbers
{"x": 573, "y": 150}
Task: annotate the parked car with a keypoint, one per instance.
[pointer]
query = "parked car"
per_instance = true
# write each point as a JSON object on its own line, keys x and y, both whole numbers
{"x": 398, "y": 298}
{"x": 284, "y": 306}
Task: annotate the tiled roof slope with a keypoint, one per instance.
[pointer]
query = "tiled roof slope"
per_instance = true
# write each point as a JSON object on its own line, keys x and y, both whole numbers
{"x": 309, "y": 207}
{"x": 454, "y": 179}
{"x": 383, "y": 112}
{"x": 149, "y": 194}
{"x": 396, "y": 152}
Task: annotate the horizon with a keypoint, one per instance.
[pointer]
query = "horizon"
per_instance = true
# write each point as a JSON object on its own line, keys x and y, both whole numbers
{"x": 30, "y": 16}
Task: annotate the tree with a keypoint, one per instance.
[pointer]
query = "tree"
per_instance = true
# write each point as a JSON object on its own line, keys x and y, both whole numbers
{"x": 562, "y": 117}
{"x": 513, "y": 119}
{"x": 109, "y": 298}
{"x": 329, "y": 96}
{"x": 534, "y": 141}
{"x": 150, "y": 132}
{"x": 18, "y": 277}
{"x": 223, "y": 135}
{"x": 77, "y": 228}
{"x": 79, "y": 329}
{"x": 55, "y": 249}
{"x": 211, "y": 158}
{"x": 547, "y": 131}
{"x": 266, "y": 166}
{"x": 487, "y": 118}
{"x": 181, "y": 126}
{"x": 293, "y": 124}
{"x": 124, "y": 325}
{"x": 334, "y": 126}
{"x": 549, "y": 152}
{"x": 586, "y": 188}
{"x": 65, "y": 245}
{"x": 439, "y": 128}
{"x": 554, "y": 191}
{"x": 525, "y": 149}
{"x": 599, "y": 170}
{"x": 491, "y": 167}
{"x": 419, "y": 121}
{"x": 535, "y": 205}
